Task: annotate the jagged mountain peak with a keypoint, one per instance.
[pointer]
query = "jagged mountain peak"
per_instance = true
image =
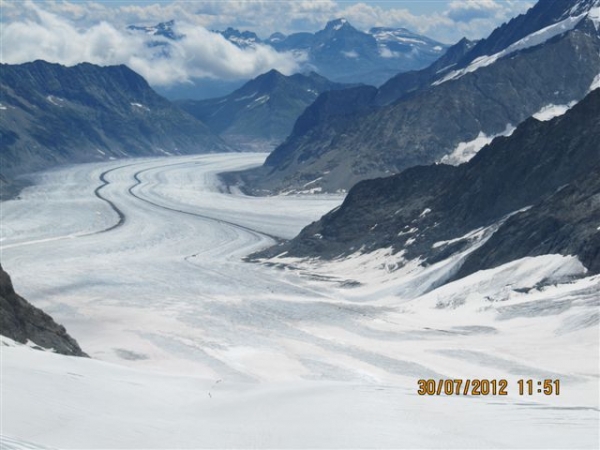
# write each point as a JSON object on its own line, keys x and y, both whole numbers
{"x": 165, "y": 29}
{"x": 338, "y": 24}
{"x": 578, "y": 7}
{"x": 265, "y": 81}
{"x": 242, "y": 39}
{"x": 542, "y": 15}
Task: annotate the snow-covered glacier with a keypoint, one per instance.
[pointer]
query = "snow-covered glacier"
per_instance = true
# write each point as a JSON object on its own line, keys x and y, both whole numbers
{"x": 192, "y": 347}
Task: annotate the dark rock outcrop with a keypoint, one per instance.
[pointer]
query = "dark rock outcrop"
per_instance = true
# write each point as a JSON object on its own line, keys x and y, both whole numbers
{"x": 22, "y": 322}
{"x": 546, "y": 176}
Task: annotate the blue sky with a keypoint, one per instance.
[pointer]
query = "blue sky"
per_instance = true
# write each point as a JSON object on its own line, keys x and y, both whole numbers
{"x": 444, "y": 20}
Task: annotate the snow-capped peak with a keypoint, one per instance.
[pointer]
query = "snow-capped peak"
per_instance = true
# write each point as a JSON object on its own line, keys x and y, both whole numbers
{"x": 581, "y": 7}
{"x": 531, "y": 40}
{"x": 336, "y": 24}
{"x": 594, "y": 16}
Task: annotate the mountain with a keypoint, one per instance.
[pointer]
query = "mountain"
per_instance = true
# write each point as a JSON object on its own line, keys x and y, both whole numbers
{"x": 262, "y": 110}
{"x": 535, "y": 192}
{"x": 23, "y": 322}
{"x": 338, "y": 52}
{"x": 430, "y": 115}
{"x": 53, "y": 114}
{"x": 544, "y": 14}
{"x": 414, "y": 80}
{"x": 242, "y": 39}
{"x": 164, "y": 29}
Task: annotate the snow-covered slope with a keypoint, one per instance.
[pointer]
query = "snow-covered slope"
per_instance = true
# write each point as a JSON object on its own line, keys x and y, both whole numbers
{"x": 193, "y": 348}
{"x": 536, "y": 38}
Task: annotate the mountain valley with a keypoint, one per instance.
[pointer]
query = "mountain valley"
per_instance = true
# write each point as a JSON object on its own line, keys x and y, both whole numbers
{"x": 263, "y": 111}
{"x": 345, "y": 238}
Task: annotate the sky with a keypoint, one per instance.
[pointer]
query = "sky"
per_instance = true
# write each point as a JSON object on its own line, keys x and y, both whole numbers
{"x": 69, "y": 32}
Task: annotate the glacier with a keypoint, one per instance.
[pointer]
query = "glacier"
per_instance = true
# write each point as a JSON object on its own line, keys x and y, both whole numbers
{"x": 142, "y": 260}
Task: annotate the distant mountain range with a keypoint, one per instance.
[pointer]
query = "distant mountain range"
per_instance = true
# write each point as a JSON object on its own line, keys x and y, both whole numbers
{"x": 53, "y": 114}
{"x": 541, "y": 61}
{"x": 338, "y": 52}
{"x": 536, "y": 192}
{"x": 263, "y": 111}
{"x": 342, "y": 53}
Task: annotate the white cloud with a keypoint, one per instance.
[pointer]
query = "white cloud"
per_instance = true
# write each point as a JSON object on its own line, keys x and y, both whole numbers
{"x": 44, "y": 35}
{"x": 465, "y": 11}
{"x": 472, "y": 18}
{"x": 71, "y": 32}
{"x": 365, "y": 16}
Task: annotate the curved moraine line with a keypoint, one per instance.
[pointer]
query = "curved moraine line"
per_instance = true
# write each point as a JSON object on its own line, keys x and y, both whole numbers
{"x": 138, "y": 182}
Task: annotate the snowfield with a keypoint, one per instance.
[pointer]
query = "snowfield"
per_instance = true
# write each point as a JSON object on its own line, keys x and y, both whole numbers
{"x": 142, "y": 261}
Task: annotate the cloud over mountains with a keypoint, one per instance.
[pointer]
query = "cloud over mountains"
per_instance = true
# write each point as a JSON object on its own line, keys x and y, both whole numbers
{"x": 200, "y": 53}
{"x": 71, "y": 32}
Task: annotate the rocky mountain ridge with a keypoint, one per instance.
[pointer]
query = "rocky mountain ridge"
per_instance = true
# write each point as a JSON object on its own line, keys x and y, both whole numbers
{"x": 429, "y": 114}
{"x": 52, "y": 114}
{"x": 535, "y": 192}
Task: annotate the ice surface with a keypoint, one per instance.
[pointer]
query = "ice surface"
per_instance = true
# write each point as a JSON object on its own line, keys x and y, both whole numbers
{"x": 194, "y": 348}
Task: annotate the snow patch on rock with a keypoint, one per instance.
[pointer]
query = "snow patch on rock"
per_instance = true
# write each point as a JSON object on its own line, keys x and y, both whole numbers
{"x": 595, "y": 83}
{"x": 464, "y": 151}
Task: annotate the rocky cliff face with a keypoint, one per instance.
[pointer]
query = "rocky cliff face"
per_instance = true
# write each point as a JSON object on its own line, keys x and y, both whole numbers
{"x": 535, "y": 192}
{"x": 23, "y": 322}
{"x": 438, "y": 110}
{"x": 53, "y": 114}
